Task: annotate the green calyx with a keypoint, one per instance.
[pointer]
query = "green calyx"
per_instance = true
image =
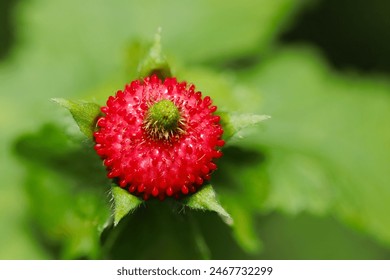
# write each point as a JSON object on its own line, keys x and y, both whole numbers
{"x": 163, "y": 120}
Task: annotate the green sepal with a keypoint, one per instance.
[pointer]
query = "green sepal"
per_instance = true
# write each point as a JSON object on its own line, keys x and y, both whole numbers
{"x": 155, "y": 61}
{"x": 234, "y": 123}
{"x": 84, "y": 113}
{"x": 205, "y": 199}
{"x": 124, "y": 203}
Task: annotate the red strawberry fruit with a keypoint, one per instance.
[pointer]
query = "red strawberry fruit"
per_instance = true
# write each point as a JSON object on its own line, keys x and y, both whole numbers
{"x": 159, "y": 138}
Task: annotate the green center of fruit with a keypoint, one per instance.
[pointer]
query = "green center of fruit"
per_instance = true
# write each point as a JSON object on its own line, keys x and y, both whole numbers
{"x": 163, "y": 120}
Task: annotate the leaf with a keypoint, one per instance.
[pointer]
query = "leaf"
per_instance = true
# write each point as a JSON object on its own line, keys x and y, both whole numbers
{"x": 124, "y": 202}
{"x": 305, "y": 182}
{"x": 155, "y": 61}
{"x": 328, "y": 146}
{"x": 205, "y": 199}
{"x": 84, "y": 113}
{"x": 65, "y": 186}
{"x": 310, "y": 237}
{"x": 234, "y": 123}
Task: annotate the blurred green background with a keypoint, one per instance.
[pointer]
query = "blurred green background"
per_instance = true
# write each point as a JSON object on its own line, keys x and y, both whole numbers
{"x": 313, "y": 182}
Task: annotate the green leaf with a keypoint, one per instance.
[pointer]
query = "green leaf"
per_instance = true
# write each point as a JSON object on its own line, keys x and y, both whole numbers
{"x": 84, "y": 113}
{"x": 155, "y": 61}
{"x": 306, "y": 236}
{"x": 327, "y": 150}
{"x": 124, "y": 202}
{"x": 66, "y": 192}
{"x": 234, "y": 123}
{"x": 205, "y": 199}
